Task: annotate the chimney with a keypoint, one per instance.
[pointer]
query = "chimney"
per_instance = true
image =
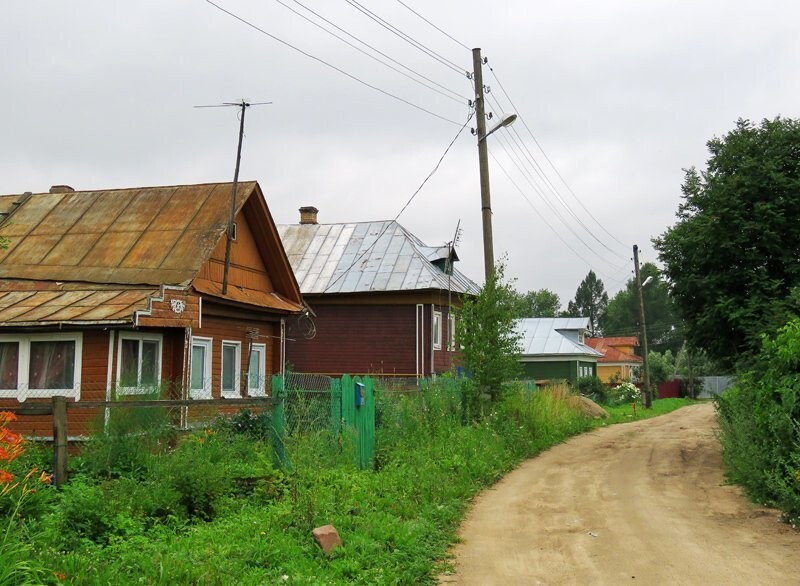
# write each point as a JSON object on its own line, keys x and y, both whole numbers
{"x": 61, "y": 189}
{"x": 308, "y": 215}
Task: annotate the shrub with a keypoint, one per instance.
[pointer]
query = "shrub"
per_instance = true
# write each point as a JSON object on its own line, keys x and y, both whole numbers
{"x": 759, "y": 427}
{"x": 624, "y": 393}
{"x": 592, "y": 387}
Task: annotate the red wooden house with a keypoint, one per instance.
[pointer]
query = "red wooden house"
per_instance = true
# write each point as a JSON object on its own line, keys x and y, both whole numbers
{"x": 119, "y": 292}
{"x": 381, "y": 299}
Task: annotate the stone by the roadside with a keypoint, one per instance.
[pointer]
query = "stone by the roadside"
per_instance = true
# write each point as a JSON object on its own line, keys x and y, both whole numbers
{"x": 327, "y": 537}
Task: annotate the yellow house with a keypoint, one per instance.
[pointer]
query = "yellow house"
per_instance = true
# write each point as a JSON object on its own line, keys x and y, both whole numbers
{"x": 618, "y": 358}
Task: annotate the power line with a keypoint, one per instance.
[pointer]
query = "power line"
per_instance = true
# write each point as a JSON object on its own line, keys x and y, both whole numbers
{"x": 455, "y": 96}
{"x": 335, "y": 68}
{"x": 407, "y": 38}
{"x": 491, "y": 69}
{"x": 528, "y": 156}
{"x": 433, "y": 25}
{"x": 410, "y": 199}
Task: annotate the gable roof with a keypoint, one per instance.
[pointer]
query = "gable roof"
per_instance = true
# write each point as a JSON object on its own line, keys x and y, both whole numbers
{"x": 612, "y": 354}
{"x": 615, "y": 341}
{"x": 367, "y": 256}
{"x": 550, "y": 336}
{"x": 145, "y": 236}
{"x": 99, "y": 256}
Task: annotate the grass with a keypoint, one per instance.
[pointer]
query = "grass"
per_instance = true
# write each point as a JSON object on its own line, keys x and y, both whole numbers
{"x": 179, "y": 516}
{"x": 626, "y": 413}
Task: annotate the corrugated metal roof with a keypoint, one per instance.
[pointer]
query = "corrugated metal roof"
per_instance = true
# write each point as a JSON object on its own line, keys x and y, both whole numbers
{"x": 554, "y": 336}
{"x": 366, "y": 256}
{"x": 24, "y": 303}
{"x": 143, "y": 236}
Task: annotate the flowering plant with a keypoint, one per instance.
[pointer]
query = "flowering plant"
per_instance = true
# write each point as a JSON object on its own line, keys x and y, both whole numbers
{"x": 628, "y": 392}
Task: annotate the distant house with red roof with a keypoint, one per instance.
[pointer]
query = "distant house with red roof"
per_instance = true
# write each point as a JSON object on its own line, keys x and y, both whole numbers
{"x": 619, "y": 357}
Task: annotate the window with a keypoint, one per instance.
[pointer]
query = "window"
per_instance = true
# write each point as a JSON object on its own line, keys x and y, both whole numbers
{"x": 40, "y": 365}
{"x": 231, "y": 364}
{"x": 200, "y": 377}
{"x": 256, "y": 373}
{"x": 437, "y": 330}
{"x": 451, "y": 332}
{"x": 138, "y": 363}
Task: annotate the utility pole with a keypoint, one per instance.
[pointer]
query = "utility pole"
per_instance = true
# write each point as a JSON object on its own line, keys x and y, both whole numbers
{"x": 648, "y": 402}
{"x": 483, "y": 160}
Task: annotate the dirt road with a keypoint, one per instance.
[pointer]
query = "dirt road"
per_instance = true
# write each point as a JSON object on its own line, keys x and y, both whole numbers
{"x": 638, "y": 503}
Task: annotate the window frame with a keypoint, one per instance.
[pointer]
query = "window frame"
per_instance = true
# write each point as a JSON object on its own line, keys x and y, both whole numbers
{"x": 261, "y": 389}
{"x": 451, "y": 332}
{"x": 208, "y": 345}
{"x": 23, "y": 341}
{"x": 141, "y": 337}
{"x": 236, "y": 393}
{"x": 436, "y": 330}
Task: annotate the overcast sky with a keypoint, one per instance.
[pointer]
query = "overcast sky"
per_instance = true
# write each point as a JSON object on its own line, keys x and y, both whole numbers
{"x": 619, "y": 95}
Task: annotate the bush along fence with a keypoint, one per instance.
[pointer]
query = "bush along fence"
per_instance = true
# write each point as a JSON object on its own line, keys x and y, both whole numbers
{"x": 349, "y": 413}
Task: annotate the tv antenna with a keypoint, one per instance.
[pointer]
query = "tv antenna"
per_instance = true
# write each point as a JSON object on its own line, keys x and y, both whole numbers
{"x": 243, "y": 104}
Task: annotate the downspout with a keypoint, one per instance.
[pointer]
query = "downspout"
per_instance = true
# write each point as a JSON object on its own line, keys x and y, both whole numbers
{"x": 283, "y": 348}
{"x": 109, "y": 379}
{"x": 186, "y": 376}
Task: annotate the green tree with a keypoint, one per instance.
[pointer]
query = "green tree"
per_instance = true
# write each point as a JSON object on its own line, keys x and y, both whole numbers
{"x": 486, "y": 330}
{"x": 731, "y": 258}
{"x": 539, "y": 303}
{"x": 622, "y": 316}
{"x": 590, "y": 301}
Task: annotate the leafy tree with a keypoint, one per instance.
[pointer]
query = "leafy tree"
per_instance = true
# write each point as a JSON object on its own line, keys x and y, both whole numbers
{"x": 661, "y": 366}
{"x": 486, "y": 330}
{"x": 664, "y": 329}
{"x": 732, "y": 256}
{"x": 539, "y": 303}
{"x": 590, "y": 301}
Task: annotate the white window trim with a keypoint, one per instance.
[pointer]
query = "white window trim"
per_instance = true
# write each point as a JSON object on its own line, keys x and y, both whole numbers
{"x": 451, "y": 332}
{"x": 436, "y": 329}
{"x": 22, "y": 391}
{"x": 261, "y": 389}
{"x": 208, "y": 344}
{"x": 237, "y": 373}
{"x": 140, "y": 336}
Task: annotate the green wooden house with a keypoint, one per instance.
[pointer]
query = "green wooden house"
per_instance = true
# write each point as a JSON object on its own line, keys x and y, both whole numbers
{"x": 554, "y": 348}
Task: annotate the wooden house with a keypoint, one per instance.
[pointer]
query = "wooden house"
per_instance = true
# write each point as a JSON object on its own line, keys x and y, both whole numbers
{"x": 554, "y": 348}
{"x": 381, "y": 299}
{"x": 112, "y": 293}
{"x": 619, "y": 358}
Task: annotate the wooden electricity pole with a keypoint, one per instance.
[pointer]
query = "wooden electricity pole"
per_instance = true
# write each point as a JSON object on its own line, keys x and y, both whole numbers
{"x": 648, "y": 398}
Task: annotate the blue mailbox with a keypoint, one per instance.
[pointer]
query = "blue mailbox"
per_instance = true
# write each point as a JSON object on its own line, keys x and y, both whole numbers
{"x": 360, "y": 398}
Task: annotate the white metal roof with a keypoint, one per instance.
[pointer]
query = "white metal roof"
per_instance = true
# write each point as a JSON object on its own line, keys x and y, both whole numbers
{"x": 367, "y": 256}
{"x": 555, "y": 336}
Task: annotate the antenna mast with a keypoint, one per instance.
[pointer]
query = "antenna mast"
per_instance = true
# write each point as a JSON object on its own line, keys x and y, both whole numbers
{"x": 243, "y": 104}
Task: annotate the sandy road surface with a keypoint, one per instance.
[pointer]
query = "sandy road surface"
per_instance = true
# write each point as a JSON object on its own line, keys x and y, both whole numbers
{"x": 639, "y": 503}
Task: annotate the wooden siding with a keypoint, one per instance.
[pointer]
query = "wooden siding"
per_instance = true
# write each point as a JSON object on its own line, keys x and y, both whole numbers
{"x": 369, "y": 339}
{"x": 247, "y": 268}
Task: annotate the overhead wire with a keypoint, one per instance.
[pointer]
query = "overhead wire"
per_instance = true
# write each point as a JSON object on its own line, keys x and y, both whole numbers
{"x": 407, "y": 38}
{"x": 547, "y": 158}
{"x": 453, "y": 95}
{"x": 537, "y": 169}
{"x": 433, "y": 25}
{"x": 326, "y": 63}
{"x": 408, "y": 202}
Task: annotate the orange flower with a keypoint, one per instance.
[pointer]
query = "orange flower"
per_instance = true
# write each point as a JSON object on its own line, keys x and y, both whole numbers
{"x": 60, "y": 576}
{"x": 6, "y": 477}
{"x": 46, "y": 478}
{"x": 6, "y": 416}
{"x": 9, "y": 437}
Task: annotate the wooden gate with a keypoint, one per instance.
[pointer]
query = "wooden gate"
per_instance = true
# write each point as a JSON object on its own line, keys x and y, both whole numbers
{"x": 353, "y": 413}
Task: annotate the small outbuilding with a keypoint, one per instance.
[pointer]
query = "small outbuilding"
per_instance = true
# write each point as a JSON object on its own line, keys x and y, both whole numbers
{"x": 555, "y": 348}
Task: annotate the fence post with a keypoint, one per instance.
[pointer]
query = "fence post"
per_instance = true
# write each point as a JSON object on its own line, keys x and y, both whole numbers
{"x": 59, "y": 440}
{"x": 367, "y": 426}
{"x": 336, "y": 407}
{"x": 277, "y": 430}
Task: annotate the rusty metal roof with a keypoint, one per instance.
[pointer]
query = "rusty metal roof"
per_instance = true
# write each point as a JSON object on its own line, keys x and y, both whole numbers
{"x": 139, "y": 236}
{"x": 27, "y": 303}
{"x": 367, "y": 256}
